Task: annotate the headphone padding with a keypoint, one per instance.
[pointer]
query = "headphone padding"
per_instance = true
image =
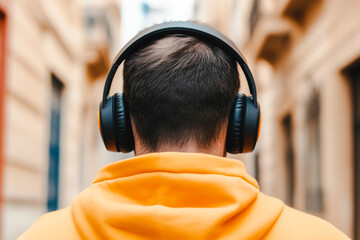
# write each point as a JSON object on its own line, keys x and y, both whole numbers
{"x": 123, "y": 132}
{"x": 235, "y": 136}
{"x": 106, "y": 125}
{"x": 250, "y": 125}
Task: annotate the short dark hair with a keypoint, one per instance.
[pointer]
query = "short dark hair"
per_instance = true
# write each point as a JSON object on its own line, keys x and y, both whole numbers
{"x": 179, "y": 88}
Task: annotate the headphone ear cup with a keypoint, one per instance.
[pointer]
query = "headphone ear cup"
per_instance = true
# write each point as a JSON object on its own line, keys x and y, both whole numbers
{"x": 123, "y": 131}
{"x": 243, "y": 126}
{"x": 235, "y": 137}
{"x": 115, "y": 126}
{"x": 106, "y": 124}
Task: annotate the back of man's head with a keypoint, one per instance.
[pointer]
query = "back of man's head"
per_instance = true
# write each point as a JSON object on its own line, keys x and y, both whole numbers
{"x": 179, "y": 89}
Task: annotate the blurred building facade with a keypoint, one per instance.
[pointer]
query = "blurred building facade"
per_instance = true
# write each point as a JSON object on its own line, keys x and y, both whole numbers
{"x": 305, "y": 56}
{"x": 46, "y": 152}
{"x": 42, "y": 96}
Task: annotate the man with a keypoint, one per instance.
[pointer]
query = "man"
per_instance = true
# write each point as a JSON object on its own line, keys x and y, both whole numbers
{"x": 179, "y": 91}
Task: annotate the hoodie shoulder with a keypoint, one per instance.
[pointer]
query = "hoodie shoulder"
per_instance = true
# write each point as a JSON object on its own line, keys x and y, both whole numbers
{"x": 293, "y": 224}
{"x": 52, "y": 226}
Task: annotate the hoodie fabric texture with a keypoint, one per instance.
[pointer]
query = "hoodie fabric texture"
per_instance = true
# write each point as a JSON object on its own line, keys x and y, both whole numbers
{"x": 178, "y": 196}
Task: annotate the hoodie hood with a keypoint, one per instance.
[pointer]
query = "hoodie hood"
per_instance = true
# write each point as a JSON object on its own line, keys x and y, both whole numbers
{"x": 174, "y": 196}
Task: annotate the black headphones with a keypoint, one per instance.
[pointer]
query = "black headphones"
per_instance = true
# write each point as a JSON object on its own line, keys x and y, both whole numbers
{"x": 244, "y": 120}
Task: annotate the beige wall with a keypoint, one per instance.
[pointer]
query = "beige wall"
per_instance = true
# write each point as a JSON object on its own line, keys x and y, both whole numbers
{"x": 40, "y": 44}
{"x": 54, "y": 37}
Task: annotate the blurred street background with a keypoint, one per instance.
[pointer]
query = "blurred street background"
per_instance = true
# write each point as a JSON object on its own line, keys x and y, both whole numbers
{"x": 304, "y": 54}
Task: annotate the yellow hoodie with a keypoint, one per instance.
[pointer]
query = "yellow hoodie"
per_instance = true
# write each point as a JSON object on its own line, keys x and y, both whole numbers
{"x": 177, "y": 196}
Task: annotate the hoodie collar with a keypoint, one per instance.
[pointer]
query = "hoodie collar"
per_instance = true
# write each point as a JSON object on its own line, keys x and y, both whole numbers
{"x": 175, "y": 162}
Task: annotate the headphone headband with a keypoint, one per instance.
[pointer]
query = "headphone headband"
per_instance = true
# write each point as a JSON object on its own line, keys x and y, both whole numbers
{"x": 178, "y": 27}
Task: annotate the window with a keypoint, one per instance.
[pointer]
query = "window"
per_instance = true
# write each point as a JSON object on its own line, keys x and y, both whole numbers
{"x": 353, "y": 74}
{"x": 289, "y": 160}
{"x": 54, "y": 144}
{"x": 254, "y": 15}
{"x": 97, "y": 22}
{"x": 257, "y": 167}
{"x": 313, "y": 186}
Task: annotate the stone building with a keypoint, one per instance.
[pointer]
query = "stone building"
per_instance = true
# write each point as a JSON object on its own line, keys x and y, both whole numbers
{"x": 305, "y": 55}
{"x": 50, "y": 73}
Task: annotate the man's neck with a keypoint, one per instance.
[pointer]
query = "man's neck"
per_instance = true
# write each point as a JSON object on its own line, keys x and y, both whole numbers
{"x": 217, "y": 148}
{"x": 190, "y": 147}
